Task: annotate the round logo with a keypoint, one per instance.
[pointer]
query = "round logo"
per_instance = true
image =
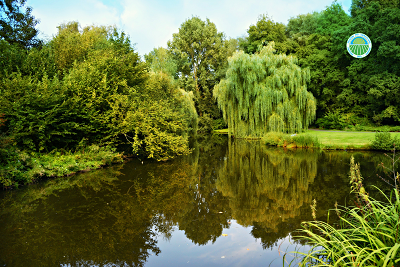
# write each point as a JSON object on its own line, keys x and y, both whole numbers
{"x": 359, "y": 45}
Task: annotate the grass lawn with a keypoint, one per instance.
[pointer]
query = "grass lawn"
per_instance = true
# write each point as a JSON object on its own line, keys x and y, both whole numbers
{"x": 345, "y": 139}
{"x": 339, "y": 139}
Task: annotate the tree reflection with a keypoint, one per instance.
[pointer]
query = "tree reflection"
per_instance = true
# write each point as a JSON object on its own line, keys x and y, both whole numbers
{"x": 208, "y": 210}
{"x": 266, "y": 186}
{"x": 76, "y": 221}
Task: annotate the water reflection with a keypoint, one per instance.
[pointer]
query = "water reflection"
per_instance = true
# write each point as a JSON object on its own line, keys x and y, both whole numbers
{"x": 266, "y": 186}
{"x": 119, "y": 216}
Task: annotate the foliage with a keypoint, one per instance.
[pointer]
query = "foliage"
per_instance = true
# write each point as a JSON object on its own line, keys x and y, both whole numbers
{"x": 160, "y": 60}
{"x": 265, "y": 31}
{"x": 161, "y": 119}
{"x": 383, "y": 141}
{"x": 100, "y": 92}
{"x": 291, "y": 141}
{"x": 200, "y": 52}
{"x": 371, "y": 85}
{"x": 332, "y": 120}
{"x": 16, "y": 25}
{"x": 368, "y": 234}
{"x": 23, "y": 168}
{"x": 265, "y": 92}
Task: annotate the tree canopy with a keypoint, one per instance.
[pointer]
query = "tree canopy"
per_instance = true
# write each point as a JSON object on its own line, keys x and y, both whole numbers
{"x": 265, "y": 92}
{"x": 17, "y": 26}
{"x": 201, "y": 55}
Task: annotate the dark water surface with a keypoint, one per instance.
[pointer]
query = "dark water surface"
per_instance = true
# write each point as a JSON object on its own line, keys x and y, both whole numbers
{"x": 230, "y": 203}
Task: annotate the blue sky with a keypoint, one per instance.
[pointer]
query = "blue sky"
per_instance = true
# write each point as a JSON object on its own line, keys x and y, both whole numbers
{"x": 151, "y": 23}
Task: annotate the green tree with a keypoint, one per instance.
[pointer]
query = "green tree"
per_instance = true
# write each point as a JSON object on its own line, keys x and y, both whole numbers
{"x": 201, "y": 56}
{"x": 265, "y": 31}
{"x": 265, "y": 92}
{"x": 358, "y": 5}
{"x": 160, "y": 120}
{"x": 319, "y": 49}
{"x": 371, "y": 85}
{"x": 159, "y": 60}
{"x": 99, "y": 93}
{"x": 304, "y": 24}
{"x": 16, "y": 25}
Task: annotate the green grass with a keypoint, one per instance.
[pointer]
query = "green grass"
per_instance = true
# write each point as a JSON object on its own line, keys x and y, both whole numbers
{"x": 344, "y": 139}
{"x": 338, "y": 139}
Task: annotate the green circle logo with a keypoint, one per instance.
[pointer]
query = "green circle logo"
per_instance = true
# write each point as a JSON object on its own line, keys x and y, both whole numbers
{"x": 359, "y": 45}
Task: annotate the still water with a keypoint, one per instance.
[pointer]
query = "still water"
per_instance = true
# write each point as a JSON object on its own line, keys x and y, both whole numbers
{"x": 229, "y": 203}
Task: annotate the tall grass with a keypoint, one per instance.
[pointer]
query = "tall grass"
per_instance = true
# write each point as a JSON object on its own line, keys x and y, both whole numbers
{"x": 368, "y": 234}
{"x": 288, "y": 140}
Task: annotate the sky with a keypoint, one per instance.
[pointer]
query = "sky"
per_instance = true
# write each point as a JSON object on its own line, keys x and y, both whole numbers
{"x": 151, "y": 23}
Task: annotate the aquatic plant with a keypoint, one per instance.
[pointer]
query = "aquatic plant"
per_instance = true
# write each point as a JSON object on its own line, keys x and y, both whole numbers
{"x": 368, "y": 234}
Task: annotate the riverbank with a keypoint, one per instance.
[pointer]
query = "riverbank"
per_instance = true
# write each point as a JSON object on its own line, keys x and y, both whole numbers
{"x": 26, "y": 168}
{"x": 327, "y": 139}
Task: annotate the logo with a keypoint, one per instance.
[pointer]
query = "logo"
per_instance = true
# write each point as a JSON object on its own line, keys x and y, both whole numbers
{"x": 359, "y": 45}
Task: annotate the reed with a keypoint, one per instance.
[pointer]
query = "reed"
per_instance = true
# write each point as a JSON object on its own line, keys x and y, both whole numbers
{"x": 367, "y": 235}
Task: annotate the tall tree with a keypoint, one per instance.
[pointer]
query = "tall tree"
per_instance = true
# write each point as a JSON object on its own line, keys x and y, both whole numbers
{"x": 17, "y": 26}
{"x": 359, "y": 5}
{"x": 159, "y": 60}
{"x": 314, "y": 34}
{"x": 200, "y": 52}
{"x": 265, "y": 31}
{"x": 372, "y": 84}
{"x": 265, "y": 92}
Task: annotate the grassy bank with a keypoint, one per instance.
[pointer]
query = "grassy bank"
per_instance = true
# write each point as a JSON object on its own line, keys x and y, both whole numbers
{"x": 26, "y": 168}
{"x": 323, "y": 139}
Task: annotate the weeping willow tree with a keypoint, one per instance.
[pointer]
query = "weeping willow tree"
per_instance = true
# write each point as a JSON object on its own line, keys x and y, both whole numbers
{"x": 265, "y": 92}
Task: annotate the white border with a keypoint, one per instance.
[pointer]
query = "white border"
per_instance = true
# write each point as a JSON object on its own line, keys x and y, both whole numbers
{"x": 352, "y": 38}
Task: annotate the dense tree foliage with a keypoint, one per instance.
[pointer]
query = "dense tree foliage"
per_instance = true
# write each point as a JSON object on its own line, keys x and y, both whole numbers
{"x": 17, "y": 26}
{"x": 265, "y": 92}
{"x": 89, "y": 87}
{"x": 200, "y": 52}
{"x": 265, "y": 31}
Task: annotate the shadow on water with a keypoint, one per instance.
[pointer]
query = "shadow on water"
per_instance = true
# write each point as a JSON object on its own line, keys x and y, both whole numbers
{"x": 127, "y": 215}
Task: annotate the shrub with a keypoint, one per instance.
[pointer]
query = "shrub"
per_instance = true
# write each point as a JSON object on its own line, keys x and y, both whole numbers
{"x": 306, "y": 140}
{"x": 383, "y": 141}
{"x": 272, "y": 138}
{"x": 332, "y": 120}
{"x": 280, "y": 139}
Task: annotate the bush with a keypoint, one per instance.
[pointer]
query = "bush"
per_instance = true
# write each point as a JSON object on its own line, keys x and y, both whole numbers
{"x": 219, "y": 124}
{"x": 205, "y": 123}
{"x": 300, "y": 141}
{"x": 273, "y": 138}
{"x": 306, "y": 140}
{"x": 383, "y": 141}
{"x": 332, "y": 120}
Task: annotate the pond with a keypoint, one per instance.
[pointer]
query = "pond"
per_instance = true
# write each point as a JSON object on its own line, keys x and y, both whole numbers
{"x": 229, "y": 203}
